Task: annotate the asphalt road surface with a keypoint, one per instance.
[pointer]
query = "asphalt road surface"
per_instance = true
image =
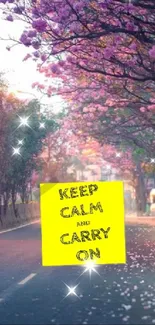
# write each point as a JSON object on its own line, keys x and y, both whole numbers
{"x": 31, "y": 294}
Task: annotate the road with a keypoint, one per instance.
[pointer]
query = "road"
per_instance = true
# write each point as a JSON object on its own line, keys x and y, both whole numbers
{"x": 120, "y": 294}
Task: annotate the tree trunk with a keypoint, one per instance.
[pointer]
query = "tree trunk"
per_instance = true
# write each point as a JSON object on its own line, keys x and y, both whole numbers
{"x": 15, "y": 210}
{"x": 26, "y": 197}
{"x": 140, "y": 192}
{"x": 22, "y": 196}
{"x": 6, "y": 200}
{"x": 1, "y": 219}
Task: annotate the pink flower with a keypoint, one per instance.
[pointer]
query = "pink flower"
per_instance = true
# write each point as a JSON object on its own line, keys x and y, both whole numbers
{"x": 34, "y": 84}
{"x": 32, "y": 33}
{"x": 41, "y": 86}
{"x": 36, "y": 45}
{"x": 103, "y": 109}
{"x": 130, "y": 26}
{"x": 25, "y": 40}
{"x": 61, "y": 63}
{"x": 40, "y": 25}
{"x": 78, "y": 5}
{"x": 19, "y": 10}
{"x": 36, "y": 54}
{"x": 152, "y": 52}
{"x": 54, "y": 68}
{"x": 151, "y": 107}
{"x": 142, "y": 109}
{"x": 70, "y": 59}
{"x": 85, "y": 110}
{"x": 73, "y": 27}
{"x": 91, "y": 115}
{"x": 49, "y": 92}
{"x": 43, "y": 57}
{"x": 35, "y": 12}
{"x": 74, "y": 49}
{"x": 133, "y": 46}
{"x": 27, "y": 57}
{"x": 9, "y": 18}
{"x": 117, "y": 39}
{"x": 92, "y": 109}
{"x": 108, "y": 52}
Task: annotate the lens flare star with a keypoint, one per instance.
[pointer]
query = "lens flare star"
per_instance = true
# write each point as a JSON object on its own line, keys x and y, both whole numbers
{"x": 16, "y": 151}
{"x": 153, "y": 160}
{"x": 71, "y": 291}
{"x": 42, "y": 126}
{"x": 23, "y": 121}
{"x": 89, "y": 267}
{"x": 20, "y": 142}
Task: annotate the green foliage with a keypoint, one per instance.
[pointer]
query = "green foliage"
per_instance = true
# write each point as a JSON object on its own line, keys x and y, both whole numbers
{"x": 34, "y": 138}
{"x": 139, "y": 152}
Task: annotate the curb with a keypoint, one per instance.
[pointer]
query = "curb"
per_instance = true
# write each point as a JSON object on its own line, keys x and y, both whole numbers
{"x": 18, "y": 227}
{"x": 140, "y": 220}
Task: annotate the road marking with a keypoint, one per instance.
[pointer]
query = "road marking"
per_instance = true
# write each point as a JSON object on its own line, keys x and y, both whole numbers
{"x": 28, "y": 278}
{"x": 22, "y": 226}
{"x": 7, "y": 293}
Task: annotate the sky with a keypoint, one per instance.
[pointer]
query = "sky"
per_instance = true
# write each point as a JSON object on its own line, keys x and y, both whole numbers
{"x": 20, "y": 75}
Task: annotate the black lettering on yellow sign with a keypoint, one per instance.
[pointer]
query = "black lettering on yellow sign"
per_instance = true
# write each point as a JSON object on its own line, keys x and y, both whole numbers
{"x": 76, "y": 192}
{"x": 85, "y": 236}
{"x": 83, "y": 255}
{"x": 80, "y": 211}
{"x": 83, "y": 223}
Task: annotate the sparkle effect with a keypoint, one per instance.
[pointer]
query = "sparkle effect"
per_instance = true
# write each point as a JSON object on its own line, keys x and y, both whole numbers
{"x": 20, "y": 142}
{"x": 153, "y": 160}
{"x": 24, "y": 121}
{"x": 42, "y": 126}
{"x": 16, "y": 151}
{"x": 89, "y": 267}
{"x": 118, "y": 154}
{"x": 71, "y": 291}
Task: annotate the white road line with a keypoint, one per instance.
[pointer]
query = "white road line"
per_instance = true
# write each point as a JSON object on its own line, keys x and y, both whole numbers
{"x": 22, "y": 226}
{"x": 29, "y": 277}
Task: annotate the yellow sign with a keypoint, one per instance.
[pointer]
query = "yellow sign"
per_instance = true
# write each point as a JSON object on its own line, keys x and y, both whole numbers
{"x": 81, "y": 222}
